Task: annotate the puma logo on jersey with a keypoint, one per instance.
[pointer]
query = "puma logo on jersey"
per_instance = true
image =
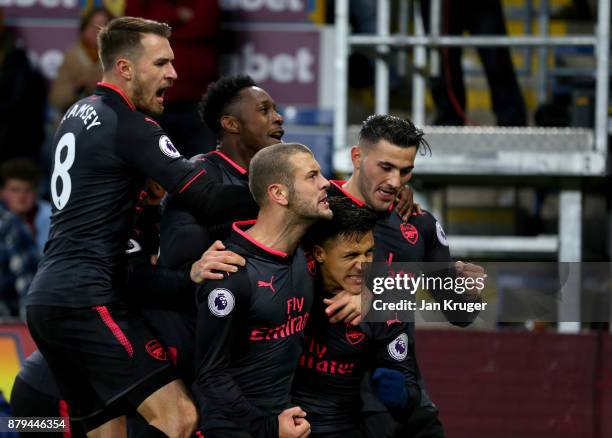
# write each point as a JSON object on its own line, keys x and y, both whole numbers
{"x": 396, "y": 320}
{"x": 269, "y": 284}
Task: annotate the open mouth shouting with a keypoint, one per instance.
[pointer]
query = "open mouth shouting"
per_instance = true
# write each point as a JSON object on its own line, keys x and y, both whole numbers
{"x": 160, "y": 94}
{"x": 278, "y": 135}
{"x": 323, "y": 202}
{"x": 386, "y": 194}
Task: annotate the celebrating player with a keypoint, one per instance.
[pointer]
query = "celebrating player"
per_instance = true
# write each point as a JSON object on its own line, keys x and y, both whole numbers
{"x": 250, "y": 323}
{"x": 103, "y": 356}
{"x": 383, "y": 162}
{"x": 336, "y": 356}
{"x": 245, "y": 118}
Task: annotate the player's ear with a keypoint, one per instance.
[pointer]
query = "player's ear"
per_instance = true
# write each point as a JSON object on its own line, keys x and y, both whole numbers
{"x": 230, "y": 124}
{"x": 278, "y": 193}
{"x": 124, "y": 68}
{"x": 318, "y": 253}
{"x": 356, "y": 155}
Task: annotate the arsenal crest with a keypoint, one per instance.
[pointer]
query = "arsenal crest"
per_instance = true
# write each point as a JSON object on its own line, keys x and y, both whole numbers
{"x": 409, "y": 232}
{"x": 353, "y": 335}
{"x": 311, "y": 263}
{"x": 155, "y": 349}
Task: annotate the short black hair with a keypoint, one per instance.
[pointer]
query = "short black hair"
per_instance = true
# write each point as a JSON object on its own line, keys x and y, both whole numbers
{"x": 219, "y": 96}
{"x": 395, "y": 130}
{"x": 350, "y": 221}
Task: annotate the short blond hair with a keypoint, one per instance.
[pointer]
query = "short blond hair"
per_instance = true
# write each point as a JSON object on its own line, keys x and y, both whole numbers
{"x": 272, "y": 165}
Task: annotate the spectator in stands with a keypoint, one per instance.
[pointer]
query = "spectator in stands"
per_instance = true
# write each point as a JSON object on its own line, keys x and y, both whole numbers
{"x": 19, "y": 181}
{"x": 18, "y": 263}
{"x": 22, "y": 101}
{"x": 478, "y": 17}
{"x": 80, "y": 70}
{"x": 195, "y": 28}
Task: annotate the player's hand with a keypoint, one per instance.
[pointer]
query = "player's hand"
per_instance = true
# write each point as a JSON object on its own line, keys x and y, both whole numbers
{"x": 390, "y": 387}
{"x": 405, "y": 204}
{"x": 344, "y": 306}
{"x": 292, "y": 423}
{"x": 474, "y": 271}
{"x": 215, "y": 259}
{"x": 301, "y": 422}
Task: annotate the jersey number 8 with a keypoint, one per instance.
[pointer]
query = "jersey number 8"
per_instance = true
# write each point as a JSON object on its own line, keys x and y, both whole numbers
{"x": 60, "y": 170}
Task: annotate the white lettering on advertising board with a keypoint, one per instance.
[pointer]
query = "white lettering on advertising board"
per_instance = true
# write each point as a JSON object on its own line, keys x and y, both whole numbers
{"x": 259, "y": 5}
{"x": 45, "y": 3}
{"x": 282, "y": 67}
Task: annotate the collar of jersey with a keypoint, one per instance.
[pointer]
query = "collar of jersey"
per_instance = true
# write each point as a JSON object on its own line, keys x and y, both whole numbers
{"x": 338, "y": 183}
{"x": 253, "y": 245}
{"x": 231, "y": 162}
{"x": 120, "y": 92}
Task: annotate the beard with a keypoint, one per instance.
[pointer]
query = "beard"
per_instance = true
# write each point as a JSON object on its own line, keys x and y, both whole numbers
{"x": 138, "y": 95}
{"x": 367, "y": 189}
{"x": 305, "y": 209}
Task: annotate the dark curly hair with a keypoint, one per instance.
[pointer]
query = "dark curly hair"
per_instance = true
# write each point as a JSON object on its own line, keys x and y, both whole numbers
{"x": 397, "y": 131}
{"x": 350, "y": 220}
{"x": 219, "y": 96}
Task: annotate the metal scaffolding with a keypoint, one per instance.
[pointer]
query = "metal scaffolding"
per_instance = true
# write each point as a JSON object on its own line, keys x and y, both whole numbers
{"x": 485, "y": 153}
{"x": 383, "y": 41}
